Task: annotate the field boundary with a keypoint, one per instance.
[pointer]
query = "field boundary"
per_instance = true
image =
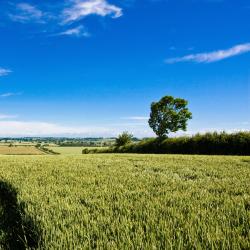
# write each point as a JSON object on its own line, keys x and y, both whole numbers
{"x": 47, "y": 151}
{"x": 205, "y": 144}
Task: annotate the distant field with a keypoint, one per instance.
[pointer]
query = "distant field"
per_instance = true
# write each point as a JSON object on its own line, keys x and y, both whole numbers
{"x": 19, "y": 150}
{"x": 125, "y": 201}
{"x": 70, "y": 150}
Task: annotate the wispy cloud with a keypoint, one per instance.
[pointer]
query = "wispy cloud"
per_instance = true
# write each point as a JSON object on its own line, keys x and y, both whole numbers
{"x": 83, "y": 8}
{"x": 4, "y": 72}
{"x": 64, "y": 15}
{"x": 136, "y": 118}
{"x": 9, "y": 94}
{"x": 78, "y": 31}
{"x": 26, "y": 12}
{"x": 214, "y": 56}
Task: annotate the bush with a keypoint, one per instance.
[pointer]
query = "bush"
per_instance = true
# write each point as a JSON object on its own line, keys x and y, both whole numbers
{"x": 123, "y": 139}
{"x": 48, "y": 151}
{"x": 85, "y": 151}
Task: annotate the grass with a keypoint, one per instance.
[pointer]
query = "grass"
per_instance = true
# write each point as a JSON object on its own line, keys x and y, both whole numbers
{"x": 19, "y": 150}
{"x": 133, "y": 201}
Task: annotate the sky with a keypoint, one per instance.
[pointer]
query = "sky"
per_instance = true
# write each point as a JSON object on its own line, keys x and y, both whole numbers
{"x": 82, "y": 68}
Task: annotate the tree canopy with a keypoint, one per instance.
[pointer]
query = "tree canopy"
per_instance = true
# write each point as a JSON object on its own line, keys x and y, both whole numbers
{"x": 124, "y": 139}
{"x": 169, "y": 115}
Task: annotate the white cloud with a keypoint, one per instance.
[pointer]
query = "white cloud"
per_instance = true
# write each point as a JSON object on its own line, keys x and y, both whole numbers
{"x": 66, "y": 13}
{"x": 9, "y": 94}
{"x": 12, "y": 128}
{"x": 136, "y": 118}
{"x": 26, "y": 12}
{"x": 23, "y": 128}
{"x": 83, "y": 8}
{"x": 4, "y": 72}
{"x": 212, "y": 56}
{"x": 78, "y": 31}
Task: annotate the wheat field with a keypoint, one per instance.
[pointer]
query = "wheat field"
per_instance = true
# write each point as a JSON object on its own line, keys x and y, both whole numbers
{"x": 114, "y": 201}
{"x": 20, "y": 150}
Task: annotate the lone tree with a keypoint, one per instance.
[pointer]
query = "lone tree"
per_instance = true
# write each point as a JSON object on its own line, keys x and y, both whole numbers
{"x": 123, "y": 139}
{"x": 169, "y": 115}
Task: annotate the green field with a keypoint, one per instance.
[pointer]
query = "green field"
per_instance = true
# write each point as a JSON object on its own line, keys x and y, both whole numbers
{"x": 71, "y": 150}
{"x": 125, "y": 202}
{"x": 67, "y": 150}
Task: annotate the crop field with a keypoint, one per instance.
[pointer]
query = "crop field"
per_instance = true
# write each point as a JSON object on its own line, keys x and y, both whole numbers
{"x": 124, "y": 201}
{"x": 17, "y": 143}
{"x": 71, "y": 150}
{"x": 67, "y": 150}
{"x": 19, "y": 150}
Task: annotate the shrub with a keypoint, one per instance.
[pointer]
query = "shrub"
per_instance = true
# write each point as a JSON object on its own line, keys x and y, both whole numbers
{"x": 85, "y": 151}
{"x": 123, "y": 139}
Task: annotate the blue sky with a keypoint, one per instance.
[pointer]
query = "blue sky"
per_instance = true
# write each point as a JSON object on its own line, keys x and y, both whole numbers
{"x": 92, "y": 67}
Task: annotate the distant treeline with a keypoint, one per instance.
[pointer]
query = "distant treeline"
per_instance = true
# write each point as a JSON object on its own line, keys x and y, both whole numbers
{"x": 85, "y": 144}
{"x": 90, "y": 143}
{"x": 207, "y": 144}
{"x": 62, "y": 141}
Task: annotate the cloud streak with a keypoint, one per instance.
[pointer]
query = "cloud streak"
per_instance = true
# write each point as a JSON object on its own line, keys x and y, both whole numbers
{"x": 9, "y": 94}
{"x": 65, "y": 15}
{"x": 81, "y": 9}
{"x": 214, "y": 56}
{"x": 4, "y": 72}
{"x": 78, "y": 31}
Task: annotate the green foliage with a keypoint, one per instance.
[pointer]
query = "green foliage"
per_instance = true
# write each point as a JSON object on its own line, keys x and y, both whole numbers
{"x": 86, "y": 142}
{"x": 133, "y": 201}
{"x": 89, "y": 150}
{"x": 85, "y": 151}
{"x": 207, "y": 144}
{"x": 48, "y": 150}
{"x": 123, "y": 139}
{"x": 169, "y": 115}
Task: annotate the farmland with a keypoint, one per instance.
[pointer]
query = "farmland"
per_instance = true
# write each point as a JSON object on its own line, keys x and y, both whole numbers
{"x": 19, "y": 150}
{"x": 127, "y": 201}
{"x": 70, "y": 150}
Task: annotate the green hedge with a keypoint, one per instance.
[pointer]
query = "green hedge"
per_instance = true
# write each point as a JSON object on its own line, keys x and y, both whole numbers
{"x": 208, "y": 144}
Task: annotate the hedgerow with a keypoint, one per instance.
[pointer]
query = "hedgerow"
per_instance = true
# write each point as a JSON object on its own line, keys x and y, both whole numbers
{"x": 208, "y": 144}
